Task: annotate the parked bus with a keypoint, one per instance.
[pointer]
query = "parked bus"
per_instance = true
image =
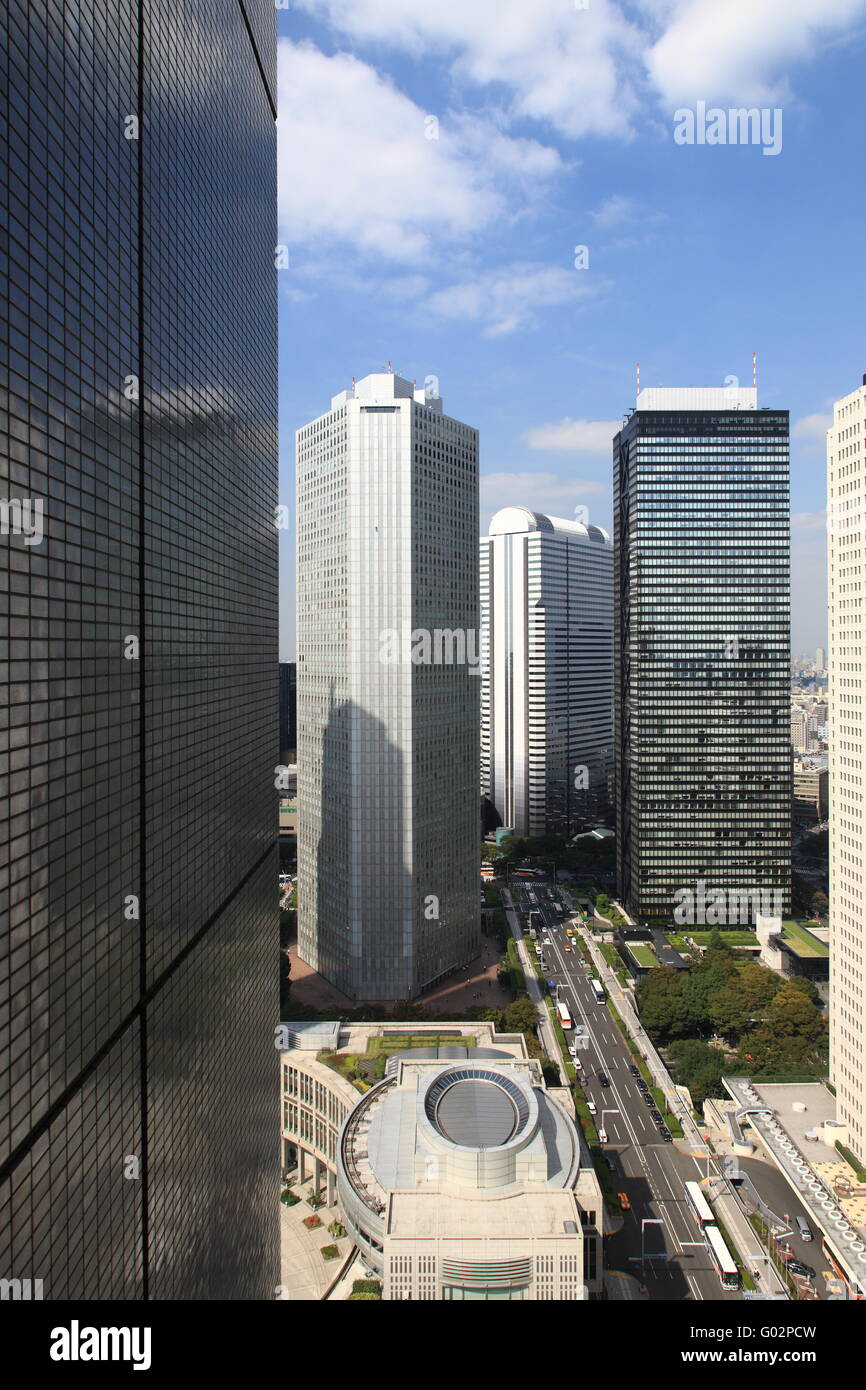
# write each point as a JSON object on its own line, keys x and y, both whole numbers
{"x": 598, "y": 990}
{"x": 699, "y": 1206}
{"x": 729, "y": 1275}
{"x": 564, "y": 1015}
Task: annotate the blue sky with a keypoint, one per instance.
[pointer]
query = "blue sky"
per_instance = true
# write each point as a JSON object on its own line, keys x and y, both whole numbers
{"x": 553, "y": 128}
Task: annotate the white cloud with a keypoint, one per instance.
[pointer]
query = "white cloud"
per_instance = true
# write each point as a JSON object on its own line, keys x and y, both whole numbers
{"x": 812, "y": 429}
{"x": 805, "y": 524}
{"x": 739, "y": 50}
{"x": 547, "y": 60}
{"x": 616, "y": 210}
{"x": 585, "y": 72}
{"x": 575, "y": 436}
{"x": 357, "y": 168}
{"x": 543, "y": 492}
{"x": 510, "y": 297}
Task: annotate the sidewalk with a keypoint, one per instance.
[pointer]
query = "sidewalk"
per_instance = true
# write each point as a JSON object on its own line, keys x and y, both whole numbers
{"x": 304, "y": 1274}
{"x": 549, "y": 1040}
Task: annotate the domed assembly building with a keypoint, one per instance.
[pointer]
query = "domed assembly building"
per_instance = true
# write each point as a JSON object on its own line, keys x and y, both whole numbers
{"x": 459, "y": 1175}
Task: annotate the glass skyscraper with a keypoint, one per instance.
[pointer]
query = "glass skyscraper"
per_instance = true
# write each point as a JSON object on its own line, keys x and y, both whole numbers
{"x": 702, "y": 653}
{"x": 139, "y": 680}
{"x": 388, "y": 808}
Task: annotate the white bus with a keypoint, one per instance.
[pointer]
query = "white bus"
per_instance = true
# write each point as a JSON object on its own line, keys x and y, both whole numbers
{"x": 597, "y": 989}
{"x": 699, "y": 1206}
{"x": 729, "y": 1275}
{"x": 564, "y": 1015}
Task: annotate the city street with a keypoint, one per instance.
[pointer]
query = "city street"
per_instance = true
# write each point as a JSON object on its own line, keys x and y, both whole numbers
{"x": 667, "y": 1254}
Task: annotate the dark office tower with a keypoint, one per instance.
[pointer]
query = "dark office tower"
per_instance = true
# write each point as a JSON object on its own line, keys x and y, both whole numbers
{"x": 288, "y": 711}
{"x": 702, "y": 652}
{"x": 140, "y": 592}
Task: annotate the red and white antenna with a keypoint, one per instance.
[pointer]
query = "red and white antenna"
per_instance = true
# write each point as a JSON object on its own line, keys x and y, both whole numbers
{"x": 637, "y": 374}
{"x": 390, "y": 368}
{"x": 755, "y": 370}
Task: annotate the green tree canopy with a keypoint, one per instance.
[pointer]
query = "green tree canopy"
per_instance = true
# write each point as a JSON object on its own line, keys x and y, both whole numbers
{"x": 663, "y": 1011}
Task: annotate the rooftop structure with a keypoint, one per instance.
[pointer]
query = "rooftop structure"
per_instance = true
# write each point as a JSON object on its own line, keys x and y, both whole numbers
{"x": 796, "y": 1126}
{"x": 459, "y": 1174}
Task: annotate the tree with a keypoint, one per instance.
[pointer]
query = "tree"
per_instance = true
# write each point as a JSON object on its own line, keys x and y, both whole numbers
{"x": 714, "y": 971}
{"x": 513, "y": 846}
{"x": 727, "y": 1011}
{"x": 520, "y": 1016}
{"x": 663, "y": 1011}
{"x": 550, "y": 1071}
{"x": 820, "y": 903}
{"x": 791, "y": 1014}
{"x": 759, "y": 985}
{"x": 716, "y": 942}
{"x": 700, "y": 1067}
{"x": 807, "y": 987}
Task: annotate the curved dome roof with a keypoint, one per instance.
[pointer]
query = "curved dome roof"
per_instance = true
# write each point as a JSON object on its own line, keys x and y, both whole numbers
{"x": 476, "y": 1108}
{"x": 510, "y": 521}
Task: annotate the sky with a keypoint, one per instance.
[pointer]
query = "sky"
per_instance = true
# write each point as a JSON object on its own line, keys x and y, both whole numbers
{"x": 439, "y": 164}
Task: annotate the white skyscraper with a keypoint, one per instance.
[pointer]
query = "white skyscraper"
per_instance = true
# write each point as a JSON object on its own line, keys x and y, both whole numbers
{"x": 388, "y": 691}
{"x": 547, "y": 686}
{"x": 846, "y": 471}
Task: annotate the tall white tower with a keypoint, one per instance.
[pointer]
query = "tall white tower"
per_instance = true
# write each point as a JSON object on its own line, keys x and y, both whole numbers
{"x": 388, "y": 691}
{"x": 846, "y": 498}
{"x": 547, "y": 688}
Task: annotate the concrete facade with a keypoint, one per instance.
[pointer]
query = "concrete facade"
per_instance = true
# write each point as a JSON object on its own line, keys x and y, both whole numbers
{"x": 846, "y": 499}
{"x": 387, "y": 728}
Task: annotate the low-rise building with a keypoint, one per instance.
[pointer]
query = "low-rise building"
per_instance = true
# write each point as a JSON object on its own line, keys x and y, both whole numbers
{"x": 459, "y": 1174}
{"x": 810, "y": 789}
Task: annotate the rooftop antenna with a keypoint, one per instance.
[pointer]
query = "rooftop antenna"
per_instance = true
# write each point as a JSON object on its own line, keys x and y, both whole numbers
{"x": 637, "y": 374}
{"x": 755, "y": 370}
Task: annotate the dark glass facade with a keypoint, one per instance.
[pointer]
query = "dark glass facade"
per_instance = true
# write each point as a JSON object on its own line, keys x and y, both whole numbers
{"x": 702, "y": 658}
{"x": 288, "y": 711}
{"x": 137, "y": 830}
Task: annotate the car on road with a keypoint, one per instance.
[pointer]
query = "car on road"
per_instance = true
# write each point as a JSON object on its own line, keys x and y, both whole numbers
{"x": 591, "y": 1107}
{"x": 798, "y": 1267}
{"x": 635, "y": 1072}
{"x": 641, "y": 1084}
{"x": 648, "y": 1098}
{"x": 603, "y": 1079}
{"x": 572, "y": 1051}
{"x": 666, "y": 1135}
{"x": 656, "y": 1116}
{"x": 623, "y": 1201}
{"x": 610, "y": 1163}
{"x": 602, "y": 1135}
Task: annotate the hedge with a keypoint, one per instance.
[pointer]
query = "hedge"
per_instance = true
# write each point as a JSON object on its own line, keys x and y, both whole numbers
{"x": 851, "y": 1161}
